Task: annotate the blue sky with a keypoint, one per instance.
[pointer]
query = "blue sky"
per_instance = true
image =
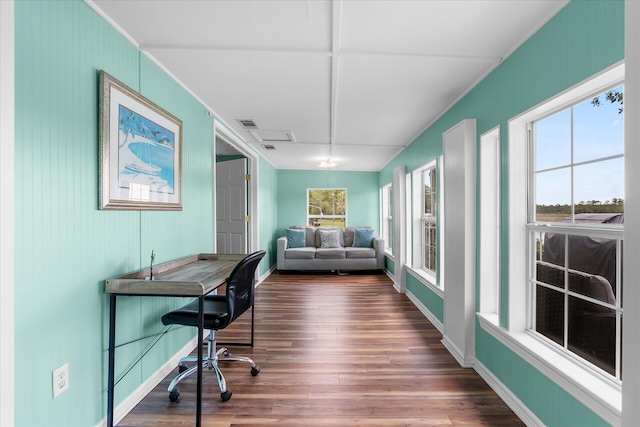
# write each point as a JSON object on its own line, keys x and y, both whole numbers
{"x": 597, "y": 134}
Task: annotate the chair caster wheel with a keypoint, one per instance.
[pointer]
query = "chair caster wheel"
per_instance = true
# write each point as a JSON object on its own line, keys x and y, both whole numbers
{"x": 174, "y": 395}
{"x": 182, "y": 367}
{"x": 225, "y": 395}
{"x": 255, "y": 370}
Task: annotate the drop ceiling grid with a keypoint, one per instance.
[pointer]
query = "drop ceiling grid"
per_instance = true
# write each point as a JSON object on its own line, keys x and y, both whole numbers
{"x": 400, "y": 63}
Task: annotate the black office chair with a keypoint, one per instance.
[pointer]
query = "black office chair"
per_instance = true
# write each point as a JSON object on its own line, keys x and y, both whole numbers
{"x": 219, "y": 312}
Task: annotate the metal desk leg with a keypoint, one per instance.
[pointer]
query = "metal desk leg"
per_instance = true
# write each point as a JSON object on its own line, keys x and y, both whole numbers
{"x": 112, "y": 342}
{"x": 200, "y": 331}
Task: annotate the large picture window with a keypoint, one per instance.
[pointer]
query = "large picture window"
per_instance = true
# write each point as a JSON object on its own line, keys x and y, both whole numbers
{"x": 575, "y": 229}
{"x": 327, "y": 207}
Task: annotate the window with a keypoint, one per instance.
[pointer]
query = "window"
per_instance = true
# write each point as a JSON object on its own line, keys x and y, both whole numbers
{"x": 327, "y": 207}
{"x": 429, "y": 235}
{"x": 574, "y": 229}
{"x": 387, "y": 217}
{"x": 425, "y": 220}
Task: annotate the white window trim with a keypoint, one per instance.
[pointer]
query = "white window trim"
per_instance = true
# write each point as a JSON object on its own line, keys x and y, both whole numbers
{"x": 426, "y": 279}
{"x": 416, "y": 222}
{"x": 490, "y": 221}
{"x": 386, "y": 213}
{"x": 601, "y": 395}
{"x": 597, "y": 393}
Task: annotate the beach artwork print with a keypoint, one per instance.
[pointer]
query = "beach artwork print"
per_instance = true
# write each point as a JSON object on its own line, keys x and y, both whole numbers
{"x": 140, "y": 151}
{"x": 145, "y": 153}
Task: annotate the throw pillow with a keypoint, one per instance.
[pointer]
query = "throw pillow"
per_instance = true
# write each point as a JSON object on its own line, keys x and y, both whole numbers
{"x": 363, "y": 238}
{"x": 329, "y": 239}
{"x": 295, "y": 237}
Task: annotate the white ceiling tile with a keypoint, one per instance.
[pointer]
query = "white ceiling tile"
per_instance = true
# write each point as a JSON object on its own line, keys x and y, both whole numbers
{"x": 391, "y": 106}
{"x": 372, "y": 74}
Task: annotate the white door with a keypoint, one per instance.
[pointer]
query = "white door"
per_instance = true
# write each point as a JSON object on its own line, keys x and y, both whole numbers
{"x": 231, "y": 207}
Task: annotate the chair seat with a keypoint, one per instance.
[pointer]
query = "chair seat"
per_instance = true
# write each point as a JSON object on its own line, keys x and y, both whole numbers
{"x": 215, "y": 314}
{"x": 218, "y": 312}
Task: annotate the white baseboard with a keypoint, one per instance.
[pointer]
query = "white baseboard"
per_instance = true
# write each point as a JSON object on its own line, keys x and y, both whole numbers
{"x": 145, "y": 388}
{"x": 396, "y": 285}
{"x": 512, "y": 401}
{"x": 433, "y": 319}
{"x": 266, "y": 274}
{"x": 456, "y": 353}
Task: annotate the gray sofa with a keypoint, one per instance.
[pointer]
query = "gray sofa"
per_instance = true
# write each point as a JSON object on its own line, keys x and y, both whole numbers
{"x": 313, "y": 257}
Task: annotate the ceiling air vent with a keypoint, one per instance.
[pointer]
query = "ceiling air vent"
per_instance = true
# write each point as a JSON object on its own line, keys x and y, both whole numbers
{"x": 273, "y": 136}
{"x": 268, "y": 147}
{"x": 248, "y": 123}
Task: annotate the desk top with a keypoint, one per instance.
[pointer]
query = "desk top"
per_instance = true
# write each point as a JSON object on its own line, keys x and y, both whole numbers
{"x": 194, "y": 275}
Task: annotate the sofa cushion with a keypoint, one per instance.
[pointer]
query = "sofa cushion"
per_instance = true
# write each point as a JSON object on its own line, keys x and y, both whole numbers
{"x": 329, "y": 239}
{"x": 318, "y": 233}
{"x": 300, "y": 253}
{"x": 349, "y": 234}
{"x": 296, "y": 238}
{"x": 356, "y": 252}
{"x": 363, "y": 238}
{"x": 330, "y": 253}
{"x": 310, "y": 234}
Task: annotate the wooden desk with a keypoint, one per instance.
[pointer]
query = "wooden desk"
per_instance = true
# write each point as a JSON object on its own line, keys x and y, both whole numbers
{"x": 192, "y": 276}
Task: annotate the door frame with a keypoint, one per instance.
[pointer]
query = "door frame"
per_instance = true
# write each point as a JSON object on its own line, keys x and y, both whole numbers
{"x": 222, "y": 132}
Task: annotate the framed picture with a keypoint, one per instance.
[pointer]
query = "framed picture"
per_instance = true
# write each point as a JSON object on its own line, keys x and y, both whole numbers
{"x": 140, "y": 151}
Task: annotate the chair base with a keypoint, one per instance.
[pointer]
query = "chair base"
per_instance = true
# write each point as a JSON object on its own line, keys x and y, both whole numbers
{"x": 211, "y": 362}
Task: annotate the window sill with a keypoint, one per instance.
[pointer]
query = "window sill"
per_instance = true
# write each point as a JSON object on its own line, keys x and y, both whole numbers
{"x": 597, "y": 393}
{"x": 426, "y": 279}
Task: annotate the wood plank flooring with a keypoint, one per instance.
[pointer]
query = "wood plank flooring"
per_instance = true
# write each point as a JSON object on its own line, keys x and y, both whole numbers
{"x": 334, "y": 351}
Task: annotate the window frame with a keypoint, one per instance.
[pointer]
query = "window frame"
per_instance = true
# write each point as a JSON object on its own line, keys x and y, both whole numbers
{"x": 536, "y": 227}
{"x": 489, "y": 205}
{"x": 331, "y": 216}
{"x": 420, "y": 220}
{"x": 386, "y": 215}
{"x": 602, "y": 395}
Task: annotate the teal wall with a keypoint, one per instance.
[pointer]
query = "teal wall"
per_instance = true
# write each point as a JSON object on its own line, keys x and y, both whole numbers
{"x": 432, "y": 301}
{"x": 268, "y": 208}
{"x": 65, "y": 246}
{"x": 551, "y": 404}
{"x": 390, "y": 264}
{"x": 584, "y": 38}
{"x": 363, "y": 196}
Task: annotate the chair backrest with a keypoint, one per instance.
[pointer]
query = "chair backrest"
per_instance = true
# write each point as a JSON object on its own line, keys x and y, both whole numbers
{"x": 241, "y": 285}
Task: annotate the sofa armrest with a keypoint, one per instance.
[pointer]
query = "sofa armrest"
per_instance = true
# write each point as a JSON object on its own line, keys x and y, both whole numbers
{"x": 378, "y": 245}
{"x": 282, "y": 246}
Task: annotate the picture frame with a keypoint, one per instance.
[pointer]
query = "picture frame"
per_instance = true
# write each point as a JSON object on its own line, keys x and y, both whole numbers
{"x": 140, "y": 151}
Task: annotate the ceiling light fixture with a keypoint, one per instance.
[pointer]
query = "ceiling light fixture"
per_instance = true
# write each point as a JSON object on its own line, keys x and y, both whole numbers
{"x": 327, "y": 164}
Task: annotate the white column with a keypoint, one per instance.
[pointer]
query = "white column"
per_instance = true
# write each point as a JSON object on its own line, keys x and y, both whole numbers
{"x": 7, "y": 125}
{"x": 459, "y": 170}
{"x": 399, "y": 227}
{"x": 631, "y": 273}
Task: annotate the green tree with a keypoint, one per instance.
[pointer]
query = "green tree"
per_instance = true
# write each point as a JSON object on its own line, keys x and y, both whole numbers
{"x": 613, "y": 96}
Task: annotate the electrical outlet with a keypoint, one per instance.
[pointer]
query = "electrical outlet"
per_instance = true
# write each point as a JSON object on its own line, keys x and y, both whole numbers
{"x": 60, "y": 380}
